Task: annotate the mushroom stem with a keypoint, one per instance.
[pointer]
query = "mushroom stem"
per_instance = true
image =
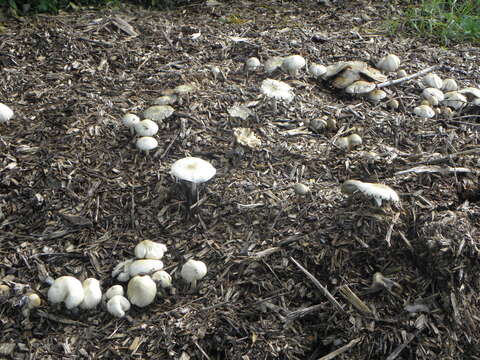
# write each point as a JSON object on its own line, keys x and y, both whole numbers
{"x": 193, "y": 193}
{"x": 274, "y": 105}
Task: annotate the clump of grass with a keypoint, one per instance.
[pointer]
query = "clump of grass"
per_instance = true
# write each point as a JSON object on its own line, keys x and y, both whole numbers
{"x": 447, "y": 20}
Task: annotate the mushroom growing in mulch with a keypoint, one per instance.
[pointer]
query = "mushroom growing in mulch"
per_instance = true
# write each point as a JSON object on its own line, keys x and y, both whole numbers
{"x": 277, "y": 90}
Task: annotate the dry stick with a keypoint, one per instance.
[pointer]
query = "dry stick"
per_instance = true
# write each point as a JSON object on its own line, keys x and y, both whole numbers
{"x": 400, "y": 347}
{"x": 318, "y": 285}
{"x": 409, "y": 77}
{"x": 390, "y": 230}
{"x": 341, "y": 350}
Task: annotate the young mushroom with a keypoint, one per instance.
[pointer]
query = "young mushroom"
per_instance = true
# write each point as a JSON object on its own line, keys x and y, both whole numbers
{"x": 273, "y": 64}
{"x": 432, "y": 80}
{"x": 141, "y": 290}
{"x": 424, "y": 111}
{"x": 5, "y": 114}
{"x": 112, "y": 291}
{"x": 146, "y": 127}
{"x": 163, "y": 279}
{"x": 316, "y": 70}
{"x": 191, "y": 172}
{"x": 292, "y": 64}
{"x": 31, "y": 301}
{"x": 129, "y": 120}
{"x": 148, "y": 249}
{"x": 379, "y": 192}
{"x": 146, "y": 143}
{"x": 92, "y": 294}
{"x": 68, "y": 290}
{"x": 389, "y": 63}
{"x": 276, "y": 90}
{"x": 158, "y": 113}
{"x": 192, "y": 271}
{"x": 251, "y": 65}
{"x": 118, "y": 305}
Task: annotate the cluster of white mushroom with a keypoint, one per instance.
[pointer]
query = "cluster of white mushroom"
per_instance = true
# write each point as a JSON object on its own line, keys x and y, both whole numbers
{"x": 377, "y": 192}
{"x": 144, "y": 274}
{"x": 6, "y": 114}
{"x": 446, "y": 94}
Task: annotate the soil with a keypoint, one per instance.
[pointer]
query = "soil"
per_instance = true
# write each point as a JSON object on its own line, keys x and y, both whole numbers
{"x": 289, "y": 275}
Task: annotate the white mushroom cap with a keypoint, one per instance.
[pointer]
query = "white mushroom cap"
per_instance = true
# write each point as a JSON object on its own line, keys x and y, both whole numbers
{"x": 246, "y": 137}
{"x": 239, "y": 111}
{"x": 291, "y": 64}
{"x": 129, "y": 120}
{"x": 121, "y": 271}
{"x": 252, "y": 64}
{"x": 141, "y": 290}
{"x": 454, "y": 100}
{"x": 389, "y": 63}
{"x": 144, "y": 266}
{"x": 316, "y": 70}
{"x": 146, "y": 128}
{"x": 158, "y": 112}
{"x": 162, "y": 278}
{"x": 5, "y": 113}
{"x": 166, "y": 100}
{"x": 66, "y": 289}
{"x": 377, "y": 95}
{"x": 273, "y": 64}
{"x": 432, "y": 80}
{"x": 433, "y": 95}
{"x": 449, "y": 85}
{"x": 117, "y": 306}
{"x": 192, "y": 169}
{"x": 342, "y": 142}
{"x": 360, "y": 87}
{"x": 33, "y": 301}
{"x": 92, "y": 292}
{"x": 146, "y": 143}
{"x": 148, "y": 249}
{"x": 277, "y": 90}
{"x": 354, "y": 140}
{"x": 424, "y": 111}
{"x": 114, "y": 290}
{"x": 193, "y": 270}
{"x": 378, "y": 192}
{"x": 471, "y": 92}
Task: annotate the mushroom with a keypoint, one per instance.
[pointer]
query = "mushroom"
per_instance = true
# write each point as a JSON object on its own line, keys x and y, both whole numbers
{"x": 247, "y": 138}
{"x": 239, "y": 111}
{"x": 146, "y": 127}
{"x": 148, "y": 249}
{"x": 192, "y": 271}
{"x": 121, "y": 272}
{"x": 166, "y": 100}
{"x": 129, "y": 120}
{"x": 342, "y": 143}
{"x": 158, "y": 113}
{"x": 141, "y": 290}
{"x": 301, "y": 189}
{"x": 251, "y": 65}
{"x": 117, "y": 306}
{"x": 454, "y": 100}
{"x": 92, "y": 292}
{"x": 354, "y": 140}
{"x": 389, "y": 63}
{"x": 449, "y": 85}
{"x": 5, "y": 113}
{"x": 113, "y": 291}
{"x": 144, "y": 266}
{"x": 360, "y": 87}
{"x": 273, "y": 64}
{"x": 191, "y": 172}
{"x": 393, "y": 104}
{"x": 471, "y": 93}
{"x": 346, "y": 78}
{"x": 276, "y": 90}
{"x": 31, "y": 301}
{"x": 292, "y": 64}
{"x": 316, "y": 70}
{"x": 379, "y": 192}
{"x": 424, "y": 111}
{"x": 377, "y": 95}
{"x": 162, "y": 278}
{"x": 432, "y": 80}
{"x": 68, "y": 290}
{"x": 401, "y": 74}
{"x": 433, "y": 95}
{"x": 146, "y": 143}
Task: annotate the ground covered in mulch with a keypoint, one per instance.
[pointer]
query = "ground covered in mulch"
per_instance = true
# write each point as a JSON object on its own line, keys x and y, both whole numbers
{"x": 76, "y": 196}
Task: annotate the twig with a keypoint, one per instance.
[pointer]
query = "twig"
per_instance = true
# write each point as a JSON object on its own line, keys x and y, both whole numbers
{"x": 409, "y": 77}
{"x": 388, "y": 237}
{"x": 400, "y": 347}
{"x": 318, "y": 285}
{"x": 294, "y": 315}
{"x": 351, "y": 297}
{"x": 341, "y": 350}
{"x": 448, "y": 157}
{"x": 169, "y": 146}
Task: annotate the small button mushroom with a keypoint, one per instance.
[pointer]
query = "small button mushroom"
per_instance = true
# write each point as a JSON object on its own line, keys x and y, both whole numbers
{"x": 146, "y": 143}
{"x": 377, "y": 95}
{"x": 252, "y": 64}
{"x": 141, "y": 290}
{"x": 129, "y": 120}
{"x": 449, "y": 85}
{"x": 32, "y": 301}
{"x": 146, "y": 128}
{"x": 401, "y": 74}
{"x": 424, "y": 111}
{"x": 342, "y": 143}
{"x": 158, "y": 113}
{"x": 112, "y": 291}
{"x": 393, "y": 104}
{"x": 118, "y": 305}
{"x": 360, "y": 87}
{"x": 92, "y": 292}
{"x": 166, "y": 100}
{"x": 432, "y": 80}
{"x": 316, "y": 70}
{"x": 68, "y": 290}
{"x": 433, "y": 95}
{"x": 148, "y": 249}
{"x": 292, "y": 64}
{"x": 389, "y": 63}
{"x": 354, "y": 140}
{"x": 273, "y": 64}
{"x": 301, "y": 189}
{"x": 192, "y": 172}
{"x": 5, "y": 114}
{"x": 192, "y": 271}
{"x": 163, "y": 279}
{"x": 454, "y": 100}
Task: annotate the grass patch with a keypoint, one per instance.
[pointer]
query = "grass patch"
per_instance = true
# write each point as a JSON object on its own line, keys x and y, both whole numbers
{"x": 447, "y": 20}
